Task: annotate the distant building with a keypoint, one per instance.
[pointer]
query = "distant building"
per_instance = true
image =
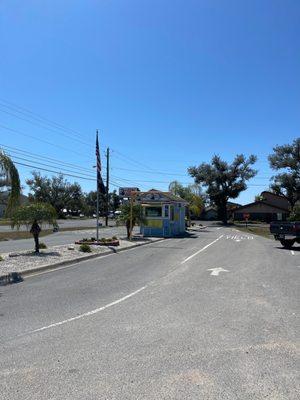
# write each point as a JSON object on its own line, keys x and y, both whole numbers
{"x": 269, "y": 207}
{"x": 211, "y": 213}
{"x": 164, "y": 213}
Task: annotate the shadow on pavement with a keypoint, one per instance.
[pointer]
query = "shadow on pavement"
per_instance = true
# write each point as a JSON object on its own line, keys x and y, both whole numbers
{"x": 292, "y": 248}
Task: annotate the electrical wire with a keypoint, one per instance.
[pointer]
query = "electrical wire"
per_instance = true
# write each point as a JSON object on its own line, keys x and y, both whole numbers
{"x": 18, "y": 151}
{"x": 39, "y": 139}
{"x": 55, "y": 172}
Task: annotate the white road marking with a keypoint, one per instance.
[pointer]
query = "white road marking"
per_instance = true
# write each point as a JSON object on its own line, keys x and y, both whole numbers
{"x": 199, "y": 251}
{"x": 219, "y": 228}
{"x": 293, "y": 253}
{"x": 216, "y": 271}
{"x": 87, "y": 314}
{"x": 237, "y": 238}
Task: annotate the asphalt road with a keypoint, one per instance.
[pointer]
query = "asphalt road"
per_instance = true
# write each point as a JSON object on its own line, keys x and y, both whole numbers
{"x": 213, "y": 316}
{"x": 64, "y": 223}
{"x": 63, "y": 237}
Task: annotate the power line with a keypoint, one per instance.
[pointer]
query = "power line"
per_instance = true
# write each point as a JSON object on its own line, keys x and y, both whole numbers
{"x": 42, "y": 157}
{"x": 45, "y": 127}
{"x": 132, "y": 160}
{"x": 149, "y": 172}
{"x": 38, "y": 117}
{"x": 47, "y": 165}
{"x": 55, "y": 172}
{"x": 39, "y": 139}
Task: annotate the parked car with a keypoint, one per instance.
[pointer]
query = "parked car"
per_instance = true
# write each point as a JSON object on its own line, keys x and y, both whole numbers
{"x": 288, "y": 233}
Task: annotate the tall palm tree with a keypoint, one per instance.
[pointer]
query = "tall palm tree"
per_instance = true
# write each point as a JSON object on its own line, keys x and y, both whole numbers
{"x": 9, "y": 183}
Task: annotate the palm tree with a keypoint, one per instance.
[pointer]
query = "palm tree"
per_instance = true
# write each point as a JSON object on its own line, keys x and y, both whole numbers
{"x": 131, "y": 216}
{"x": 9, "y": 182}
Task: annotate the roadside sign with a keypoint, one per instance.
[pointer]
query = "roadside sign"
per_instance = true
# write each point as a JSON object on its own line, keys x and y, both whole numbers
{"x": 126, "y": 191}
{"x": 246, "y": 218}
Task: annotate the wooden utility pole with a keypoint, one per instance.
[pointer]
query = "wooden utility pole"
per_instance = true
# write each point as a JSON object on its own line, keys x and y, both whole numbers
{"x": 131, "y": 212}
{"x": 132, "y": 200}
{"x": 107, "y": 187}
{"x": 97, "y": 206}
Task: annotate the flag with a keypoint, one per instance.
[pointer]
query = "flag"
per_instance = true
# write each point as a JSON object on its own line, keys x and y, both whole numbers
{"x": 100, "y": 184}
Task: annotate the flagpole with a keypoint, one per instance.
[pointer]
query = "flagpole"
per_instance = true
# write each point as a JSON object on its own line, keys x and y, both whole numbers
{"x": 97, "y": 219}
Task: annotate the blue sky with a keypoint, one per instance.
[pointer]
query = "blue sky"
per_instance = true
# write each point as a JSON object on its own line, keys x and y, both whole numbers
{"x": 168, "y": 83}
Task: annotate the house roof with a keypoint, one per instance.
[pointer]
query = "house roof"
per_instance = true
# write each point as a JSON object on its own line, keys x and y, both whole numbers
{"x": 154, "y": 195}
{"x": 236, "y": 210}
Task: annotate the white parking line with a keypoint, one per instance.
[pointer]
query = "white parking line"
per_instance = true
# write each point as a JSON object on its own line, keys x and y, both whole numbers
{"x": 199, "y": 251}
{"x": 87, "y": 314}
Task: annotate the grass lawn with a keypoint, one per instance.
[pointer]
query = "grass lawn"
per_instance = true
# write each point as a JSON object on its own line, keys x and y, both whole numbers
{"x": 15, "y": 235}
{"x": 256, "y": 230}
{"x": 4, "y": 222}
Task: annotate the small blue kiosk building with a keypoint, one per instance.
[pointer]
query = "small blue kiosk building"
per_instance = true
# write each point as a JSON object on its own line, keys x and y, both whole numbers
{"x": 164, "y": 213}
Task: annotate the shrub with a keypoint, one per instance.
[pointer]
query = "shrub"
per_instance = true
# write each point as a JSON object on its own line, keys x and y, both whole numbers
{"x": 103, "y": 240}
{"x": 85, "y": 240}
{"x": 1, "y": 258}
{"x": 85, "y": 248}
{"x": 43, "y": 245}
{"x": 114, "y": 238}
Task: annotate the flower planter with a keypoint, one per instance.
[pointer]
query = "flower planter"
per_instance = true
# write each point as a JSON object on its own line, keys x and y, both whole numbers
{"x": 99, "y": 243}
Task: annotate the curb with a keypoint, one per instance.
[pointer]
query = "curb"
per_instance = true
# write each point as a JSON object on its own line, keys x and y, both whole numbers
{"x": 7, "y": 279}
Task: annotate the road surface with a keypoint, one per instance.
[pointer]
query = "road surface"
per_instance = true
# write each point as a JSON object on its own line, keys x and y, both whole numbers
{"x": 64, "y": 223}
{"x": 213, "y": 316}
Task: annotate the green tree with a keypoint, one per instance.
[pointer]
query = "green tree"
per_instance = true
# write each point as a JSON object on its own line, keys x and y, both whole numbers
{"x": 56, "y": 191}
{"x": 32, "y": 215}
{"x": 90, "y": 203}
{"x": 137, "y": 217}
{"x": 114, "y": 200}
{"x": 224, "y": 181}
{"x": 192, "y": 194}
{"x": 286, "y": 158}
{"x": 9, "y": 182}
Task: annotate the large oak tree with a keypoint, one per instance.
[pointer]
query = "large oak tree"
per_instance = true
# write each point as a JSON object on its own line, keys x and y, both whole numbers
{"x": 286, "y": 159}
{"x": 224, "y": 181}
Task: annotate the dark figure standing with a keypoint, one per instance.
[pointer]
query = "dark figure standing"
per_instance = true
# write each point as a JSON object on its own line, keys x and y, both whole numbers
{"x": 35, "y": 231}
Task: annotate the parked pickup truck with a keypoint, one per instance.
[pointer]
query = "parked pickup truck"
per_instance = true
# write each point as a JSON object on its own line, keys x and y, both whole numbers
{"x": 288, "y": 233}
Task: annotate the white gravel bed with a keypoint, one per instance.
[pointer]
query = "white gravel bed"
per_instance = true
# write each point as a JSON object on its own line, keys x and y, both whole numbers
{"x": 28, "y": 260}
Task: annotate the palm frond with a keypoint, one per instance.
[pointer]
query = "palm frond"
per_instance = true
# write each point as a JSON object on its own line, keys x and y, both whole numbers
{"x": 12, "y": 179}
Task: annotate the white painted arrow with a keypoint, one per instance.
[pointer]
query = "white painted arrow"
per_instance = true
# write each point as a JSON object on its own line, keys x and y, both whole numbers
{"x": 216, "y": 271}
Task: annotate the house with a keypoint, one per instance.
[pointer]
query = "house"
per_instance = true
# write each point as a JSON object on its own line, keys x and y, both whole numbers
{"x": 269, "y": 207}
{"x": 211, "y": 213}
{"x": 231, "y": 207}
{"x": 164, "y": 213}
